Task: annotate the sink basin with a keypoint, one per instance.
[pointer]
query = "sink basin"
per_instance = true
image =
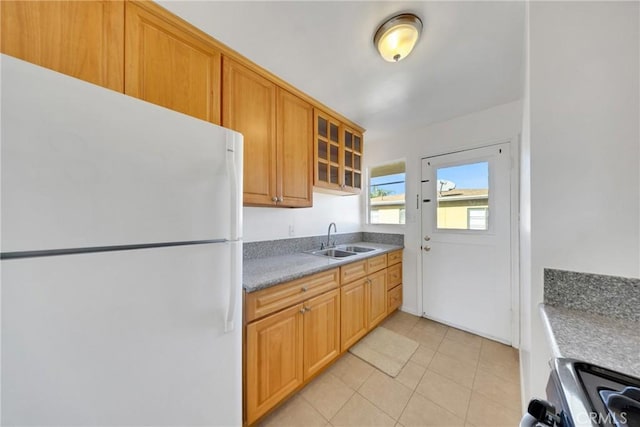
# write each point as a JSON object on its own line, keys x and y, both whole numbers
{"x": 333, "y": 253}
{"x": 356, "y": 249}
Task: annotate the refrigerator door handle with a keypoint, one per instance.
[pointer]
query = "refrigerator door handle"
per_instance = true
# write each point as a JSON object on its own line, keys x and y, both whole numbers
{"x": 234, "y": 171}
{"x": 234, "y": 285}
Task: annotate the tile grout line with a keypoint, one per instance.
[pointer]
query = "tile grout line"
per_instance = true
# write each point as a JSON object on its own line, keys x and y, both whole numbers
{"x": 355, "y": 391}
{"x": 473, "y": 383}
{"x": 416, "y": 387}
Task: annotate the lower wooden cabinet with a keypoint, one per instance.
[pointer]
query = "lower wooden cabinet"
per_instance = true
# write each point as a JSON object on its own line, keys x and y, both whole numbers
{"x": 394, "y": 281}
{"x": 321, "y": 332}
{"x": 353, "y": 303}
{"x": 274, "y": 360}
{"x": 376, "y": 298}
{"x": 287, "y": 348}
{"x": 363, "y": 302}
{"x": 394, "y": 299}
{"x": 297, "y": 328}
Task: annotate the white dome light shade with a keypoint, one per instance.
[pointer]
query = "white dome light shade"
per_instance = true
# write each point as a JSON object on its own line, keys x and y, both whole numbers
{"x": 396, "y": 38}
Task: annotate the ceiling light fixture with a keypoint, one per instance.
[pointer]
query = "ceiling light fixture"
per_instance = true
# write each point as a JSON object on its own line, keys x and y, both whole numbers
{"x": 396, "y": 38}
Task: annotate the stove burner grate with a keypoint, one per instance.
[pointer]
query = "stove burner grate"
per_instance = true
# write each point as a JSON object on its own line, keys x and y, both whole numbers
{"x": 624, "y": 406}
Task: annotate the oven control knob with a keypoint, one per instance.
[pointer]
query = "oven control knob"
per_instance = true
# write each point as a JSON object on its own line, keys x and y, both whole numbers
{"x": 543, "y": 411}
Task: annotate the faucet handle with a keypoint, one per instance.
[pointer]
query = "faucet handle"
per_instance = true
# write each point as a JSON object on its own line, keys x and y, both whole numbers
{"x": 321, "y": 245}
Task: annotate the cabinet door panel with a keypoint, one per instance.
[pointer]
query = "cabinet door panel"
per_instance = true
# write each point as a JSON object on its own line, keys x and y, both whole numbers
{"x": 266, "y": 301}
{"x": 352, "y": 155}
{"x": 376, "y": 263}
{"x": 167, "y": 65}
{"x": 377, "y": 298}
{"x": 295, "y": 145}
{"x": 394, "y": 276}
{"x": 274, "y": 360}
{"x": 394, "y": 299}
{"x": 321, "y": 332}
{"x": 83, "y": 39}
{"x": 353, "y": 271}
{"x": 353, "y": 313}
{"x": 248, "y": 106}
{"x": 327, "y": 152}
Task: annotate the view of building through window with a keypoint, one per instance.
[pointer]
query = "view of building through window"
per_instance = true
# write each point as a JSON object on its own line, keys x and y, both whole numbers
{"x": 463, "y": 197}
{"x": 387, "y": 193}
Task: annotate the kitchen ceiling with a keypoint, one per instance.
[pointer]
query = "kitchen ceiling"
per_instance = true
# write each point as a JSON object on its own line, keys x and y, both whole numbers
{"x": 470, "y": 56}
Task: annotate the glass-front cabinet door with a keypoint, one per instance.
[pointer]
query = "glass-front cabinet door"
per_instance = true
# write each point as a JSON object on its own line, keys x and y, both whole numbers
{"x": 327, "y": 152}
{"x": 337, "y": 156}
{"x": 352, "y": 160}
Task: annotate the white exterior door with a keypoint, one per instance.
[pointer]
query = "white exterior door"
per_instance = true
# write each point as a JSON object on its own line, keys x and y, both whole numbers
{"x": 466, "y": 242}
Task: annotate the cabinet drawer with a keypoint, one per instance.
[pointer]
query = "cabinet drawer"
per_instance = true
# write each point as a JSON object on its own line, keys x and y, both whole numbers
{"x": 270, "y": 300}
{"x": 394, "y": 299}
{"x": 394, "y": 257}
{"x": 376, "y": 263}
{"x": 353, "y": 271}
{"x": 394, "y": 276}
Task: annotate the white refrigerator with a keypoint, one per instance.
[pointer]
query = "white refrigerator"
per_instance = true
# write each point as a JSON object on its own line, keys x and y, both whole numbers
{"x": 121, "y": 258}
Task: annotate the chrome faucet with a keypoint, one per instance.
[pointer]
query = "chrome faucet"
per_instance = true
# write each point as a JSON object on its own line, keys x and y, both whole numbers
{"x": 329, "y": 244}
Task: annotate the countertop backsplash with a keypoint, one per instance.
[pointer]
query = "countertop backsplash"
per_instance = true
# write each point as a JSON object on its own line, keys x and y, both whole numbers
{"x": 267, "y": 248}
{"x": 594, "y": 293}
{"x": 594, "y": 318}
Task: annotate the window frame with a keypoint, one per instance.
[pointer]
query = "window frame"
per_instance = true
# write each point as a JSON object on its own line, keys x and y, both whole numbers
{"x": 368, "y": 205}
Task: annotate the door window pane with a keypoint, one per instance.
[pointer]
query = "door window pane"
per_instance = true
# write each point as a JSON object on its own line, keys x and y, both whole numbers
{"x": 463, "y": 197}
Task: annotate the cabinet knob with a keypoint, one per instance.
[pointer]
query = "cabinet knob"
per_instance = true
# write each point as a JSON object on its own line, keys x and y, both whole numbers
{"x": 427, "y": 238}
{"x": 280, "y": 199}
{"x": 426, "y": 248}
{"x": 302, "y": 310}
{"x": 274, "y": 199}
{"x": 303, "y": 289}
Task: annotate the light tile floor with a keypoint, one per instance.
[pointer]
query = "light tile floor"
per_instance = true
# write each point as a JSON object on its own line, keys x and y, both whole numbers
{"x": 453, "y": 379}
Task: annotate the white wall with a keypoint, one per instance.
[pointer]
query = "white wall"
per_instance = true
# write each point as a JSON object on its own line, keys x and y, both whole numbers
{"x": 274, "y": 223}
{"x": 497, "y": 124}
{"x": 584, "y": 151}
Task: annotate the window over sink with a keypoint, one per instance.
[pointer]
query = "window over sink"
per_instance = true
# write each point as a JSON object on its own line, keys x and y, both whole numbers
{"x": 386, "y": 202}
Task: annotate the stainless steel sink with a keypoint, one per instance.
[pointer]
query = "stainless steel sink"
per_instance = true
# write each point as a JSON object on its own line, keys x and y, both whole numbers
{"x": 333, "y": 253}
{"x": 356, "y": 249}
{"x": 342, "y": 251}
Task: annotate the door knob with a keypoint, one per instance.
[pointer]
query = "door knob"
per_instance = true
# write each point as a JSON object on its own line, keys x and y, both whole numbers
{"x": 427, "y": 238}
{"x": 426, "y": 248}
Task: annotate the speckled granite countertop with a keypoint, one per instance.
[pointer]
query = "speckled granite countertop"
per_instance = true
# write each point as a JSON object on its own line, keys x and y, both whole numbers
{"x": 607, "y": 341}
{"x": 262, "y": 273}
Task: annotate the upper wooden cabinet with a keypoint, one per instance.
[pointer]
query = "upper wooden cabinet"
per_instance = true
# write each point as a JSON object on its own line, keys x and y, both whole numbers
{"x": 168, "y": 64}
{"x": 249, "y": 107}
{"x": 277, "y": 128}
{"x": 143, "y": 50}
{"x": 83, "y": 39}
{"x": 338, "y": 152}
{"x": 295, "y": 150}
